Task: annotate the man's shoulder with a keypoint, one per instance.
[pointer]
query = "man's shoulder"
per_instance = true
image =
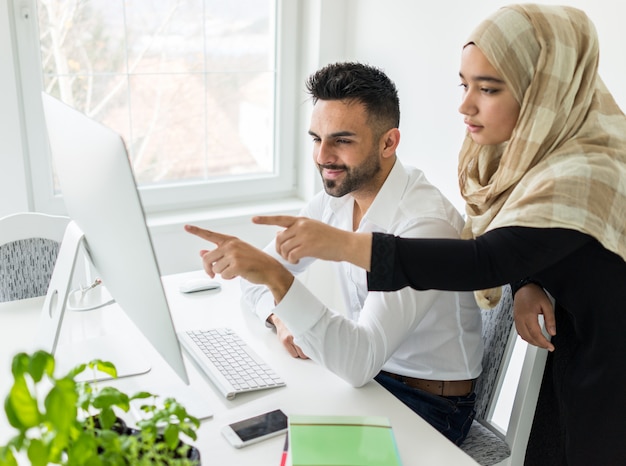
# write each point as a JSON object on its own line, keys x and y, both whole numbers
{"x": 421, "y": 196}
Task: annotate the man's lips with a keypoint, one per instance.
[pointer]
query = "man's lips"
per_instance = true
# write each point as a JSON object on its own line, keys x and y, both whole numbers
{"x": 331, "y": 173}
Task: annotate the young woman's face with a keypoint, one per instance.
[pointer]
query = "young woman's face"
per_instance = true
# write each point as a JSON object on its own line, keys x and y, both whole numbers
{"x": 489, "y": 108}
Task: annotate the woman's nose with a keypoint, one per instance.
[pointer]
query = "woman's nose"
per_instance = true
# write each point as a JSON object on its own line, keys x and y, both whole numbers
{"x": 468, "y": 106}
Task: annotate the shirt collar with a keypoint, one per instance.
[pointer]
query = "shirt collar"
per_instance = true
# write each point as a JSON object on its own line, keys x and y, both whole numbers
{"x": 390, "y": 194}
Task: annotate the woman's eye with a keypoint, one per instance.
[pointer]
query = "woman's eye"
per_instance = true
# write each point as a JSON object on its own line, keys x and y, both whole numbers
{"x": 463, "y": 86}
{"x": 490, "y": 90}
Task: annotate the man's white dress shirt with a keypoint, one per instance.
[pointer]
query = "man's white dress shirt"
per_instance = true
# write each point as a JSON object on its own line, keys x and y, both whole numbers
{"x": 425, "y": 334}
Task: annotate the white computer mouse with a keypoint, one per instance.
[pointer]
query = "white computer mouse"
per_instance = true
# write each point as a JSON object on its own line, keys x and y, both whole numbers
{"x": 198, "y": 284}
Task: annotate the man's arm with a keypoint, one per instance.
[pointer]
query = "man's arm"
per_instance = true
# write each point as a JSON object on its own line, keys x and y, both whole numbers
{"x": 357, "y": 350}
{"x": 235, "y": 258}
{"x": 263, "y": 272}
{"x": 257, "y": 298}
{"x": 354, "y": 350}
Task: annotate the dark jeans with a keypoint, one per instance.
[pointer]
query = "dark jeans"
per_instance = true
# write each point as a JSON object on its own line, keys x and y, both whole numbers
{"x": 450, "y": 415}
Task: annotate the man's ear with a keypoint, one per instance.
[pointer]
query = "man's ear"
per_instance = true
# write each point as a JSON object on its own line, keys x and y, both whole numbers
{"x": 389, "y": 142}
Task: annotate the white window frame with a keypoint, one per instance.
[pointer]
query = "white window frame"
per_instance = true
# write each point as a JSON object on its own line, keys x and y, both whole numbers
{"x": 185, "y": 195}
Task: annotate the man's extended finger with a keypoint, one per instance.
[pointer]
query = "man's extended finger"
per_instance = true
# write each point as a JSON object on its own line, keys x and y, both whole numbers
{"x": 284, "y": 221}
{"x": 208, "y": 235}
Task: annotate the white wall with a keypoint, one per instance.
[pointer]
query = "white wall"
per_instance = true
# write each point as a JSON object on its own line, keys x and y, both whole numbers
{"x": 419, "y": 44}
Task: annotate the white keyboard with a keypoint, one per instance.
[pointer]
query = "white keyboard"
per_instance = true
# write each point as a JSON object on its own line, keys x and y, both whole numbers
{"x": 228, "y": 361}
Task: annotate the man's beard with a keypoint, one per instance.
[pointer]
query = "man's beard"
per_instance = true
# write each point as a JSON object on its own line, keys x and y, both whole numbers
{"x": 355, "y": 177}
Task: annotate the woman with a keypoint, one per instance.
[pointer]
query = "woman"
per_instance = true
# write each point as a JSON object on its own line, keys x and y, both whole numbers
{"x": 543, "y": 173}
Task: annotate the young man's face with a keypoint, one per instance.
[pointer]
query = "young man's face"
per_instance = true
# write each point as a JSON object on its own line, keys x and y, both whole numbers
{"x": 344, "y": 148}
{"x": 489, "y": 108}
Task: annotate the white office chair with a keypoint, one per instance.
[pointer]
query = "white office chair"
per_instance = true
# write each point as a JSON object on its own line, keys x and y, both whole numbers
{"x": 29, "y": 244}
{"x": 486, "y": 442}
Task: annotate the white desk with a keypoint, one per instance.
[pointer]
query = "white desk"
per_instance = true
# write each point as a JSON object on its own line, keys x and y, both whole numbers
{"x": 310, "y": 389}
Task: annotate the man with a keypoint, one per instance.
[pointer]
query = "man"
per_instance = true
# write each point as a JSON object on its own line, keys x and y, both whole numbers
{"x": 410, "y": 341}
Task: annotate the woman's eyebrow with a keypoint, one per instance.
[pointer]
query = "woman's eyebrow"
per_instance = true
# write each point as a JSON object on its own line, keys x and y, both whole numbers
{"x": 484, "y": 78}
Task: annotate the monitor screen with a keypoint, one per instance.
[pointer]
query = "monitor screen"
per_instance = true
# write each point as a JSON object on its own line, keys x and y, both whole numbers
{"x": 101, "y": 198}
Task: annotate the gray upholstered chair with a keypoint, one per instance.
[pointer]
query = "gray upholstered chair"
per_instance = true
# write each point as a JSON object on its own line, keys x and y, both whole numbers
{"x": 29, "y": 244}
{"x": 486, "y": 442}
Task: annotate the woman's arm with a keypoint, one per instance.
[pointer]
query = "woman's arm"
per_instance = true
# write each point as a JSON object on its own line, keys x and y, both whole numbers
{"x": 500, "y": 256}
{"x": 497, "y": 257}
{"x": 305, "y": 237}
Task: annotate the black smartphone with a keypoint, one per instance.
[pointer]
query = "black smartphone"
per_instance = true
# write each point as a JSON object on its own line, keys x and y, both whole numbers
{"x": 255, "y": 429}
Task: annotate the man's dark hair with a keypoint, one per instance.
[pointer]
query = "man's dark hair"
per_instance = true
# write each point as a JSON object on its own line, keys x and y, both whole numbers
{"x": 360, "y": 83}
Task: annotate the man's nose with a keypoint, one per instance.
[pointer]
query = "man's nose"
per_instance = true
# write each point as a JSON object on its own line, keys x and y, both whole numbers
{"x": 324, "y": 154}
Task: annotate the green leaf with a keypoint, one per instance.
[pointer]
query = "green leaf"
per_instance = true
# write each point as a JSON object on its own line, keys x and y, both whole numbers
{"x": 142, "y": 395}
{"x": 75, "y": 371}
{"x": 41, "y": 363}
{"x": 111, "y": 396}
{"x": 189, "y": 430}
{"x": 103, "y": 366}
{"x": 170, "y": 435}
{"x": 6, "y": 457}
{"x": 38, "y": 453}
{"x": 84, "y": 450}
{"x": 60, "y": 405}
{"x": 58, "y": 445}
{"x": 107, "y": 418}
{"x": 11, "y": 414}
{"x": 19, "y": 365}
{"x": 21, "y": 407}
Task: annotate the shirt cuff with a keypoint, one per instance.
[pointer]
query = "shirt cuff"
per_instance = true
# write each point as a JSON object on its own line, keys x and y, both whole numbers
{"x": 265, "y": 308}
{"x": 299, "y": 309}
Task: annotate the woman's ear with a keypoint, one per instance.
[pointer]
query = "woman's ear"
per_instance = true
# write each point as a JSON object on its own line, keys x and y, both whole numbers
{"x": 389, "y": 142}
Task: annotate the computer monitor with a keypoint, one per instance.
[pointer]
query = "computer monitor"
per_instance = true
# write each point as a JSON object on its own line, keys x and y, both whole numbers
{"x": 107, "y": 218}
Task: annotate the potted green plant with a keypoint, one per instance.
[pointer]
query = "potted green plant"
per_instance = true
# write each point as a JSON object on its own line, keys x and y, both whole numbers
{"x": 60, "y": 420}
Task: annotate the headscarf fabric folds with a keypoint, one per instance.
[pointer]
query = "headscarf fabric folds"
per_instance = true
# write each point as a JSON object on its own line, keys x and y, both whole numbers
{"x": 565, "y": 163}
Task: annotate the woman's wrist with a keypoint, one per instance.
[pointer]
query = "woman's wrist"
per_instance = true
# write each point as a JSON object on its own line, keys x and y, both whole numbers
{"x": 515, "y": 286}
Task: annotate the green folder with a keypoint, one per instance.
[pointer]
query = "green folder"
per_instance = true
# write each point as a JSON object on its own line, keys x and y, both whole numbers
{"x": 342, "y": 441}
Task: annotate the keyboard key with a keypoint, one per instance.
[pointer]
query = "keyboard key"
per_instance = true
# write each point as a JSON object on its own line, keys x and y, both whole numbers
{"x": 228, "y": 361}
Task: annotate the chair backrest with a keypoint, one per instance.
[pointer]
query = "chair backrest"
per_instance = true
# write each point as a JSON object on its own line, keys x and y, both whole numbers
{"x": 498, "y": 341}
{"x": 29, "y": 244}
{"x": 487, "y": 443}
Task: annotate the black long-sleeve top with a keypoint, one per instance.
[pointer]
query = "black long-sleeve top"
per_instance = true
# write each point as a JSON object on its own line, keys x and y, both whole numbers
{"x": 574, "y": 267}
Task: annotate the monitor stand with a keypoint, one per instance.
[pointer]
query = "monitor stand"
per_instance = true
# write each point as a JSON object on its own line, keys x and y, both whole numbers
{"x": 60, "y": 298}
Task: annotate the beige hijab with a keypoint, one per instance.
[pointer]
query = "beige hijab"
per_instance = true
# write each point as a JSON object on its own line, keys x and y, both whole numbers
{"x": 565, "y": 164}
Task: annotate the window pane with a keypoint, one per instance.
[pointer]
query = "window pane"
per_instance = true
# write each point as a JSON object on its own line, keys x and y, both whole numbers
{"x": 188, "y": 84}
